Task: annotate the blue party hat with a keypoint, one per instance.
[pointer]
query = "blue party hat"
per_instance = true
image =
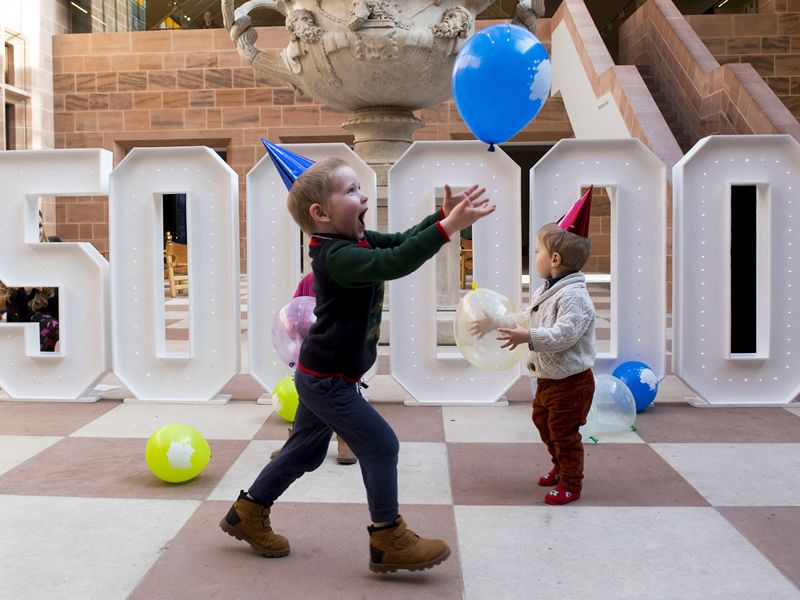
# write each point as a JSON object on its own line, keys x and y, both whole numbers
{"x": 289, "y": 165}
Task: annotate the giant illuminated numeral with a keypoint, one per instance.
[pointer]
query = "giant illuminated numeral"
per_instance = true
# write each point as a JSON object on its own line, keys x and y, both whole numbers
{"x": 274, "y": 252}
{"x": 701, "y": 353}
{"x": 634, "y": 178}
{"x": 78, "y": 271}
{"x": 431, "y": 376}
{"x": 636, "y": 182}
{"x": 137, "y": 275}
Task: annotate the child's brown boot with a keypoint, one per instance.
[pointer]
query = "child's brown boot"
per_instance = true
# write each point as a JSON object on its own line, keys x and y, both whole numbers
{"x": 395, "y": 546}
{"x": 275, "y": 452}
{"x": 249, "y": 521}
{"x": 344, "y": 456}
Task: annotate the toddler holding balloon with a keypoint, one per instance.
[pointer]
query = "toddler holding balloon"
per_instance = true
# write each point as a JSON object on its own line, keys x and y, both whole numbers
{"x": 350, "y": 266}
{"x": 562, "y": 342}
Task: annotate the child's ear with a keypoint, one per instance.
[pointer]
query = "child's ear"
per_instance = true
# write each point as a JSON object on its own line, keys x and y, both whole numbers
{"x": 555, "y": 259}
{"x": 318, "y": 213}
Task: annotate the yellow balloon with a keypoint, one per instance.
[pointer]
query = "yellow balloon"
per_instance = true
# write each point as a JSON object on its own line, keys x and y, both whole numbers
{"x": 177, "y": 453}
{"x": 285, "y": 399}
{"x": 486, "y": 352}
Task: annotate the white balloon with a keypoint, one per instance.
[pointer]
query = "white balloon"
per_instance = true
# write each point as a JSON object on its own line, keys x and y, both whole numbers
{"x": 486, "y": 352}
{"x": 613, "y": 408}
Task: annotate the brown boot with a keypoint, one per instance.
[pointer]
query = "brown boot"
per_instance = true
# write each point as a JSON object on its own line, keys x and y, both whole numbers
{"x": 345, "y": 456}
{"x": 249, "y": 521}
{"x": 395, "y": 546}
{"x": 275, "y": 452}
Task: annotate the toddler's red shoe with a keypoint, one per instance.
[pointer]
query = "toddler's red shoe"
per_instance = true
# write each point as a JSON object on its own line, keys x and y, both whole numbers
{"x": 551, "y": 478}
{"x": 560, "y": 496}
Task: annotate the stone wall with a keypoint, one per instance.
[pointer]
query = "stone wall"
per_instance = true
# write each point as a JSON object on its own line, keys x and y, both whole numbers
{"x": 28, "y": 27}
{"x": 770, "y": 41}
{"x": 707, "y": 97}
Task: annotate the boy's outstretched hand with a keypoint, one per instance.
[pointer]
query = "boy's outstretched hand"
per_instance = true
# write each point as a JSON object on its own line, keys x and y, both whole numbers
{"x": 473, "y": 192}
{"x": 513, "y": 336}
{"x": 463, "y": 209}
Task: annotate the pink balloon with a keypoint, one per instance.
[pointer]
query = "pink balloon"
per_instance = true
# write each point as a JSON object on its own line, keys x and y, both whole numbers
{"x": 290, "y": 327}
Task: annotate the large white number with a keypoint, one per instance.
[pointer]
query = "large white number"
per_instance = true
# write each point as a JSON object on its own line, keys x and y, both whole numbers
{"x": 433, "y": 377}
{"x": 78, "y": 271}
{"x": 274, "y": 252}
{"x": 701, "y": 353}
{"x": 137, "y": 274}
{"x": 636, "y": 182}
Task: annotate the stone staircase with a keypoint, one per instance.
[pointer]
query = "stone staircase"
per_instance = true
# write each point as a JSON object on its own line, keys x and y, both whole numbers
{"x": 665, "y": 106}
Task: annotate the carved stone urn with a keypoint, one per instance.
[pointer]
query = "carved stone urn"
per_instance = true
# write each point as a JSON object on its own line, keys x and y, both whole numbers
{"x": 378, "y": 59}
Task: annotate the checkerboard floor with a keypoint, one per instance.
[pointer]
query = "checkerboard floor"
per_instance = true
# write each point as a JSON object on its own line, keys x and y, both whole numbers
{"x": 697, "y": 503}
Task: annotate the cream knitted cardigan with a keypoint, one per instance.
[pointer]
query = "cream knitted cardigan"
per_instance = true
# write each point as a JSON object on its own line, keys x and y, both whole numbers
{"x": 562, "y": 329}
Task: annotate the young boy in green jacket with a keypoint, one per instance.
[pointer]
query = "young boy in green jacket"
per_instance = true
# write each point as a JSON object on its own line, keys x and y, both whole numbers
{"x": 350, "y": 265}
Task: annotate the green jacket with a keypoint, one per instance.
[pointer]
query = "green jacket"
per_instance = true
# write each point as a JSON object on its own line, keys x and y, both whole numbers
{"x": 348, "y": 284}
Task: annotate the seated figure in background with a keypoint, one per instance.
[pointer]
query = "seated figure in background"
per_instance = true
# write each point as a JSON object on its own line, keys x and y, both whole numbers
{"x": 34, "y": 305}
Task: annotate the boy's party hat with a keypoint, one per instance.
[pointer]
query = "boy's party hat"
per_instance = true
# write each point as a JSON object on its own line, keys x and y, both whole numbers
{"x": 289, "y": 165}
{"x": 577, "y": 218}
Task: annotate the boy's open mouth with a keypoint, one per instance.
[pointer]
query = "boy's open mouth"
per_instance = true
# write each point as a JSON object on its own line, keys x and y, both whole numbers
{"x": 361, "y": 216}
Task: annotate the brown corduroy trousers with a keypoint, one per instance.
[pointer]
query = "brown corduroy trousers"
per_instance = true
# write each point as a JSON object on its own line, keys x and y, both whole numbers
{"x": 559, "y": 409}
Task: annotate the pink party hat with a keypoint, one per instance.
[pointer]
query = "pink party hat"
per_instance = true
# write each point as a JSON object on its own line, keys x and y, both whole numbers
{"x": 577, "y": 218}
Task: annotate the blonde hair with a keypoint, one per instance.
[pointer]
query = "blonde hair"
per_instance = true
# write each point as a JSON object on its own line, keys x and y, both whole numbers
{"x": 574, "y": 250}
{"x": 312, "y": 187}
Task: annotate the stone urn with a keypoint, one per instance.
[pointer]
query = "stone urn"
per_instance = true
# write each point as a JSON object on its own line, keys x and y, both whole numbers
{"x": 378, "y": 59}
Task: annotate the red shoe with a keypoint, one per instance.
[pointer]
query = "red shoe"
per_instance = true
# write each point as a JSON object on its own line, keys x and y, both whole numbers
{"x": 560, "y": 496}
{"x": 551, "y": 478}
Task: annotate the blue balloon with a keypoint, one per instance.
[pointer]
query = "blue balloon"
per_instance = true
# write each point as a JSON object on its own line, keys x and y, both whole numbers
{"x": 641, "y": 380}
{"x": 501, "y": 80}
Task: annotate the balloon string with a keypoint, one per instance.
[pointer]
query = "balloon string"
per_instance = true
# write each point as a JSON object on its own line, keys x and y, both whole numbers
{"x": 491, "y": 147}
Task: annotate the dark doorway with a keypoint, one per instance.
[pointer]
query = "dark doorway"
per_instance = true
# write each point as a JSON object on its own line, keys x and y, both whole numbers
{"x": 744, "y": 274}
{"x": 175, "y": 218}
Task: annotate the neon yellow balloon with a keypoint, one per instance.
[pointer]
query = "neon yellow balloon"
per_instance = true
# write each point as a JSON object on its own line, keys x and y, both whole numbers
{"x": 285, "y": 399}
{"x": 177, "y": 453}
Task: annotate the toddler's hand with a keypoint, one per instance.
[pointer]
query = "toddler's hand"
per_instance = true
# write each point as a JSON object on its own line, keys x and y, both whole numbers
{"x": 481, "y": 326}
{"x": 513, "y": 336}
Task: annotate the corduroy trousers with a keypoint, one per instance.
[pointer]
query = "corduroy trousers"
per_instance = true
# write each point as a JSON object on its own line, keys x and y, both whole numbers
{"x": 560, "y": 407}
